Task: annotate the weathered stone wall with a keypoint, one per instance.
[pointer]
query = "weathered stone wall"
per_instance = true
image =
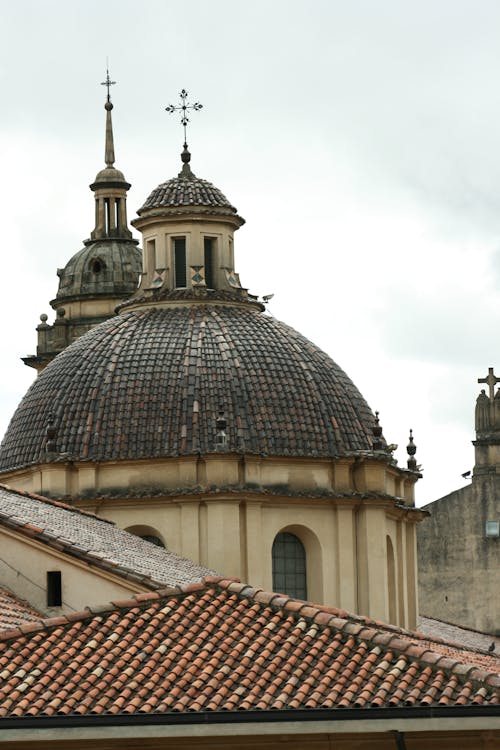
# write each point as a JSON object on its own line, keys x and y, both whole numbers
{"x": 459, "y": 567}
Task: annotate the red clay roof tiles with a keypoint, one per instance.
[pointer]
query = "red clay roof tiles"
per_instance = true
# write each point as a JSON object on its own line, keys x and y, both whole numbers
{"x": 225, "y": 646}
{"x": 16, "y": 613}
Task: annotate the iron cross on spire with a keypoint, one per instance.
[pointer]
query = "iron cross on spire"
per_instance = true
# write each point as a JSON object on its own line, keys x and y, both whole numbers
{"x": 184, "y": 107}
{"x": 491, "y": 380}
{"x": 108, "y": 82}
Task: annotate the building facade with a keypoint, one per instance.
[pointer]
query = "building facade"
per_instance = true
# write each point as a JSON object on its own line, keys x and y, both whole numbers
{"x": 459, "y": 545}
{"x": 194, "y": 418}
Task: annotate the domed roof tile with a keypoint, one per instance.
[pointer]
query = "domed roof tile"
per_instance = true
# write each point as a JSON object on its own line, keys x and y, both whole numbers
{"x": 149, "y": 383}
{"x": 182, "y": 191}
{"x": 102, "y": 267}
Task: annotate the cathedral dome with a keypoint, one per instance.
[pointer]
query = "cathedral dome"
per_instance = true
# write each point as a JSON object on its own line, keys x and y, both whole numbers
{"x": 150, "y": 382}
{"x": 102, "y": 267}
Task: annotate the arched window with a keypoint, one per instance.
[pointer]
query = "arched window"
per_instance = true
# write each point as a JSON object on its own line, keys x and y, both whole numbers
{"x": 153, "y": 539}
{"x": 148, "y": 533}
{"x": 289, "y": 565}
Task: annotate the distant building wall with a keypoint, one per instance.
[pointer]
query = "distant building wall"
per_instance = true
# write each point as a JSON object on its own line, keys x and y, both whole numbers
{"x": 459, "y": 566}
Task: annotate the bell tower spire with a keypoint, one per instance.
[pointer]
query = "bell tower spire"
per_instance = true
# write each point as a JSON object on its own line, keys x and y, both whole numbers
{"x": 110, "y": 186}
{"x": 109, "y": 152}
{"x": 104, "y": 273}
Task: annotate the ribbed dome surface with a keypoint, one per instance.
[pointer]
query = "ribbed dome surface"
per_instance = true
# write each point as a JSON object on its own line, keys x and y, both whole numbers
{"x": 149, "y": 383}
{"x": 181, "y": 191}
{"x": 107, "y": 267}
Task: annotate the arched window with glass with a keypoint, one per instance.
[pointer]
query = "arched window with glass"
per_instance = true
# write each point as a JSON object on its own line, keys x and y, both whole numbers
{"x": 289, "y": 565}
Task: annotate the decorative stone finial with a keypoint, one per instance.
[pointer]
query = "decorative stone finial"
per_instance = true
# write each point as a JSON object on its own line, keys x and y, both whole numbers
{"x": 491, "y": 380}
{"x": 411, "y": 449}
{"x": 377, "y": 434}
{"x": 221, "y": 435}
{"x": 186, "y": 168}
{"x": 109, "y": 152}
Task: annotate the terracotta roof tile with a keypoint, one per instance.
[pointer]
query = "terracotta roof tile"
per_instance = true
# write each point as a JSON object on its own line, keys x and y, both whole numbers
{"x": 16, "y": 613}
{"x": 187, "y": 651}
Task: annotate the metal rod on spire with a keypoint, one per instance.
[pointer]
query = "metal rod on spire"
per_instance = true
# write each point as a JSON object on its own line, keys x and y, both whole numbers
{"x": 184, "y": 107}
{"x": 108, "y": 82}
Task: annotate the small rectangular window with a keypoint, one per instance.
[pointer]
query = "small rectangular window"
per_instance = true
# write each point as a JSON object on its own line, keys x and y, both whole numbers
{"x": 54, "y": 588}
{"x": 209, "y": 262}
{"x": 150, "y": 258}
{"x": 180, "y": 261}
{"x": 493, "y": 529}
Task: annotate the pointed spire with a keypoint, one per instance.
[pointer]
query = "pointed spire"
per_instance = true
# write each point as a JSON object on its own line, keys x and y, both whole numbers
{"x": 110, "y": 187}
{"x": 109, "y": 152}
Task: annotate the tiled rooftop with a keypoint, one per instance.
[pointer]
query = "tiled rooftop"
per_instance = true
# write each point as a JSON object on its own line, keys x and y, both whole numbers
{"x": 96, "y": 540}
{"x": 150, "y": 382}
{"x": 223, "y": 646}
{"x": 464, "y": 636}
{"x": 119, "y": 274}
{"x": 15, "y": 612}
{"x": 181, "y": 191}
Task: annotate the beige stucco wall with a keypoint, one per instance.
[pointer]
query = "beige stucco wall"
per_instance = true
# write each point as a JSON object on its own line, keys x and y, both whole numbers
{"x": 158, "y": 236}
{"x": 23, "y": 568}
{"x": 68, "y": 478}
{"x": 345, "y": 544}
{"x": 344, "y": 512}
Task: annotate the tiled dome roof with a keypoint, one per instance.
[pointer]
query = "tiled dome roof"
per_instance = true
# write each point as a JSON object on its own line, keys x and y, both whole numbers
{"x": 149, "y": 383}
{"x": 182, "y": 191}
{"x": 102, "y": 267}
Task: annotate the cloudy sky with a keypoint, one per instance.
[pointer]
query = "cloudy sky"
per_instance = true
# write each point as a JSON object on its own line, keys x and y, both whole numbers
{"x": 360, "y": 140}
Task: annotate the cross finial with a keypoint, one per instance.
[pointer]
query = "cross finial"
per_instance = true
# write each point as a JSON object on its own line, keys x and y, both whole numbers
{"x": 184, "y": 108}
{"x": 491, "y": 380}
{"x": 108, "y": 83}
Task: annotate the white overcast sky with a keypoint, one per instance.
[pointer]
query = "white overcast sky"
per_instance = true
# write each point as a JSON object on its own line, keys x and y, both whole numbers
{"x": 360, "y": 140}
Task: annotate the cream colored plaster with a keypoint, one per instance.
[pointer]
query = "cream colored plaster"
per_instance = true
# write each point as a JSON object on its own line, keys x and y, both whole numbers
{"x": 162, "y": 230}
{"x": 23, "y": 568}
{"x": 90, "y": 308}
{"x": 233, "y": 530}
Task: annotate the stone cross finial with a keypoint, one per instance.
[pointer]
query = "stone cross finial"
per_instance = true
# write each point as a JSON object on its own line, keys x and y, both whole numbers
{"x": 491, "y": 380}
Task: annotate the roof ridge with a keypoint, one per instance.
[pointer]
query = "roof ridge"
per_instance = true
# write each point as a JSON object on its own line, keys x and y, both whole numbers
{"x": 52, "y": 540}
{"x": 369, "y": 630}
{"x": 357, "y": 626}
{"x": 55, "y": 503}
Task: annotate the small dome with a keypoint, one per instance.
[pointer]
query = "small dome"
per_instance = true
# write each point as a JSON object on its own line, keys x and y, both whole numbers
{"x": 149, "y": 383}
{"x": 185, "y": 192}
{"x": 110, "y": 175}
{"x": 109, "y": 268}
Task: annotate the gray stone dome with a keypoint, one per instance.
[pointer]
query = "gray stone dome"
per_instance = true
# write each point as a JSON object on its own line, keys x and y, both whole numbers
{"x": 149, "y": 383}
{"x": 102, "y": 268}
